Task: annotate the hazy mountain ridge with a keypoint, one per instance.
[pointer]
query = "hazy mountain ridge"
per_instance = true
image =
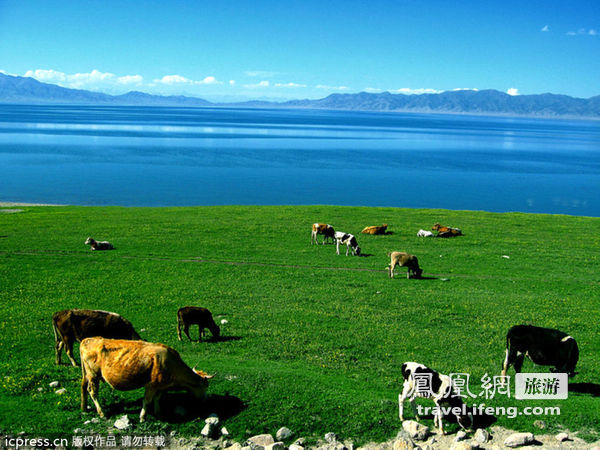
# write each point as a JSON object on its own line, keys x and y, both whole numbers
{"x": 14, "y": 89}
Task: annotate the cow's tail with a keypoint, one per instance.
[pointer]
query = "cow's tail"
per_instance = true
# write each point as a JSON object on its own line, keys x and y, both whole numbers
{"x": 57, "y": 335}
{"x": 179, "y": 326}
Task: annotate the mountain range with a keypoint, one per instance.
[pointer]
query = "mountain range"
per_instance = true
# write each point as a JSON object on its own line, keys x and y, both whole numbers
{"x": 15, "y": 89}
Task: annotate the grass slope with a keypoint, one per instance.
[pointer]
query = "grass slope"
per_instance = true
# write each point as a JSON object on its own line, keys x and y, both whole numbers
{"x": 321, "y": 337}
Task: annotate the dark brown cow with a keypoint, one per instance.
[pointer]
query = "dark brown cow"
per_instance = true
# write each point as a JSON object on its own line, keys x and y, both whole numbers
{"x": 73, "y": 325}
{"x": 446, "y": 231}
{"x": 128, "y": 365}
{"x": 194, "y": 315}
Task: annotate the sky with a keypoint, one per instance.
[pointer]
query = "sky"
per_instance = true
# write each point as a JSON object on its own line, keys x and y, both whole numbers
{"x": 253, "y": 49}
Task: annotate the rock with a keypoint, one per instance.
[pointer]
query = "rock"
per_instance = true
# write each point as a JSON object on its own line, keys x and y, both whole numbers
{"x": 77, "y": 431}
{"x": 300, "y": 441}
{"x": 403, "y": 442}
{"x": 208, "y": 430}
{"x": 224, "y": 431}
{"x": 415, "y": 430}
{"x": 95, "y": 420}
{"x": 234, "y": 446}
{"x": 540, "y": 424}
{"x": 40, "y": 389}
{"x": 283, "y": 433}
{"x": 519, "y": 439}
{"x": 296, "y": 447}
{"x": 224, "y": 322}
{"x": 561, "y": 437}
{"x": 275, "y": 446}
{"x": 87, "y": 422}
{"x": 462, "y": 445}
{"x": 61, "y": 391}
{"x": 122, "y": 423}
{"x": 481, "y": 436}
{"x": 260, "y": 441}
{"x": 460, "y": 436}
{"x": 331, "y": 438}
{"x": 54, "y": 384}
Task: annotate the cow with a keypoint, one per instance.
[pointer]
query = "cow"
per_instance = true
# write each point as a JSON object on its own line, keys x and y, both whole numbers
{"x": 407, "y": 260}
{"x": 72, "y": 325}
{"x": 424, "y": 233}
{"x": 127, "y": 365}
{"x": 348, "y": 240}
{"x": 375, "y": 229}
{"x": 190, "y": 315}
{"x": 543, "y": 346}
{"x": 421, "y": 381}
{"x": 446, "y": 231}
{"x": 322, "y": 228}
{"x": 95, "y": 245}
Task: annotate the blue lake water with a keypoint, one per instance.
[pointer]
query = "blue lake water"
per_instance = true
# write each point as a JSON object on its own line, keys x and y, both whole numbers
{"x": 154, "y": 156}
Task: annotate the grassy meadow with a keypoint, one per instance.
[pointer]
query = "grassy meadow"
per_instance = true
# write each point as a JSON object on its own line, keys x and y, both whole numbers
{"x": 314, "y": 341}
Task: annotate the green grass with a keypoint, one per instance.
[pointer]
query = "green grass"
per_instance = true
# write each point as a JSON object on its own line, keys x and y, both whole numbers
{"x": 321, "y": 337}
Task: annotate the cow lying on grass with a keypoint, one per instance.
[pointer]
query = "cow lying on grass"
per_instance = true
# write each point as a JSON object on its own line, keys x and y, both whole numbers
{"x": 543, "y": 346}
{"x": 446, "y": 231}
{"x": 421, "y": 381}
{"x": 375, "y": 229}
{"x": 72, "y": 325}
{"x": 95, "y": 245}
{"x": 194, "y": 315}
{"x": 128, "y": 365}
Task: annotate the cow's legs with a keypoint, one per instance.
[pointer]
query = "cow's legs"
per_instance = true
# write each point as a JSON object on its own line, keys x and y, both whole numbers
{"x": 69, "y": 351}
{"x": 519, "y": 362}
{"x": 58, "y": 347}
{"x": 509, "y": 360}
{"x": 148, "y": 397}
{"x": 408, "y": 274}
{"x": 84, "y": 390}
{"x": 186, "y": 330}
{"x": 92, "y": 387}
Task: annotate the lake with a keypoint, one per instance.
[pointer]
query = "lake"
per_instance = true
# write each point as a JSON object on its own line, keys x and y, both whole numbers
{"x": 156, "y": 156}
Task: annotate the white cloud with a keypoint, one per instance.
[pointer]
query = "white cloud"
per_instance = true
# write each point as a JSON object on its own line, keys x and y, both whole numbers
{"x": 545, "y": 29}
{"x": 465, "y": 89}
{"x": 260, "y": 73}
{"x": 262, "y": 84}
{"x": 373, "y": 90}
{"x": 512, "y": 91}
{"x": 408, "y": 91}
{"x": 45, "y": 76}
{"x": 583, "y": 31}
{"x": 232, "y": 82}
{"x": 172, "y": 80}
{"x": 131, "y": 79}
{"x": 290, "y": 85}
{"x": 332, "y": 88}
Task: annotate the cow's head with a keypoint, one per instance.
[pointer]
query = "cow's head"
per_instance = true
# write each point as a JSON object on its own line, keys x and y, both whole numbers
{"x": 89, "y": 241}
{"x": 418, "y": 272}
{"x": 436, "y": 226}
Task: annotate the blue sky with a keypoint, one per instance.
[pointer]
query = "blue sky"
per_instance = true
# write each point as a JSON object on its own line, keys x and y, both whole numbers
{"x": 304, "y": 49}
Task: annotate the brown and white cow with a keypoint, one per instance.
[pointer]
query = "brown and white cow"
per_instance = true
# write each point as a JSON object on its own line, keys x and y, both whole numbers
{"x": 128, "y": 365}
{"x": 72, "y": 325}
{"x": 322, "y": 228}
{"x": 375, "y": 229}
{"x": 195, "y": 315}
{"x": 446, "y": 231}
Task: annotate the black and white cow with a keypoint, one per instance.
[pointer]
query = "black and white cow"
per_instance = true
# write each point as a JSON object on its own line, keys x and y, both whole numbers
{"x": 348, "y": 240}
{"x": 438, "y": 387}
{"x": 543, "y": 346}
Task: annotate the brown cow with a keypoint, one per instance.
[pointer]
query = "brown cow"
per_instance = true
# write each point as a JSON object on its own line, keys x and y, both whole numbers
{"x": 72, "y": 325}
{"x": 128, "y": 365}
{"x": 446, "y": 231}
{"x": 194, "y": 315}
{"x": 375, "y": 229}
{"x": 403, "y": 259}
{"x": 322, "y": 228}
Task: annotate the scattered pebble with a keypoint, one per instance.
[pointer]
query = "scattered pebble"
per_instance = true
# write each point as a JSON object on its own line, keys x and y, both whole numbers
{"x": 54, "y": 384}
{"x": 224, "y": 322}
{"x": 122, "y": 423}
{"x": 506, "y": 256}
{"x": 60, "y": 391}
{"x": 561, "y": 437}
{"x": 283, "y": 433}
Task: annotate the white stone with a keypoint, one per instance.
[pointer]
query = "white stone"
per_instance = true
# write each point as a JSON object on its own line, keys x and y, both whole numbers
{"x": 519, "y": 439}
{"x": 61, "y": 391}
{"x": 481, "y": 436}
{"x": 207, "y": 430}
{"x": 283, "y": 433}
{"x": 122, "y": 423}
{"x": 261, "y": 440}
{"x": 224, "y": 431}
{"x": 275, "y": 446}
{"x": 234, "y": 446}
{"x": 212, "y": 420}
{"x": 224, "y": 322}
{"x": 331, "y": 438}
{"x": 460, "y": 436}
{"x": 561, "y": 437}
{"x": 415, "y": 430}
{"x": 54, "y": 384}
{"x": 296, "y": 447}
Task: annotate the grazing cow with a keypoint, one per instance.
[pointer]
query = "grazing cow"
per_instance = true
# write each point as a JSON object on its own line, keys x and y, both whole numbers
{"x": 322, "y": 228}
{"x": 348, "y": 240}
{"x": 407, "y": 260}
{"x": 424, "y": 233}
{"x": 95, "y": 245}
{"x": 446, "y": 231}
{"x": 190, "y": 315}
{"x": 421, "y": 381}
{"x": 543, "y": 346}
{"x": 375, "y": 229}
{"x": 72, "y": 325}
{"x": 128, "y": 365}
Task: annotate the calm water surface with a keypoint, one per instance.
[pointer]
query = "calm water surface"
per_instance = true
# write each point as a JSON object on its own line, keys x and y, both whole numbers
{"x": 151, "y": 156}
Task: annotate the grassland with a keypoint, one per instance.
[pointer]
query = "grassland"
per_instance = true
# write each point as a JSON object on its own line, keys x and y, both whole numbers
{"x": 318, "y": 338}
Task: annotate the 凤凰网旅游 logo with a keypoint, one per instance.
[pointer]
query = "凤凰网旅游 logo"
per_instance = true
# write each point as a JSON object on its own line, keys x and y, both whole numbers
{"x": 540, "y": 386}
